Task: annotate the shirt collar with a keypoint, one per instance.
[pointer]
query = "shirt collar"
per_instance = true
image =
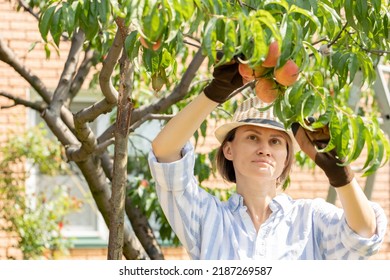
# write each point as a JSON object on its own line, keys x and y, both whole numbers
{"x": 281, "y": 201}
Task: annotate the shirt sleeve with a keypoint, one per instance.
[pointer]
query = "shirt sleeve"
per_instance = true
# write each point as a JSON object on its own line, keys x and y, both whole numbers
{"x": 339, "y": 241}
{"x": 181, "y": 198}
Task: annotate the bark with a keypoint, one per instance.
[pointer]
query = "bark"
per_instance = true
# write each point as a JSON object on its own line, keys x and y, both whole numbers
{"x": 93, "y": 173}
{"x": 117, "y": 201}
{"x": 138, "y": 220}
{"x": 97, "y": 181}
{"x": 61, "y": 93}
{"x": 9, "y": 57}
{"x": 89, "y": 114}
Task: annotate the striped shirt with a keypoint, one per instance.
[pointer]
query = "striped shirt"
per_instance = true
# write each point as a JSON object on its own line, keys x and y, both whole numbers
{"x": 296, "y": 229}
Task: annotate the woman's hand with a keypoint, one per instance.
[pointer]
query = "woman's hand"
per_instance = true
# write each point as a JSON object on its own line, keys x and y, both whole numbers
{"x": 226, "y": 80}
{"x": 309, "y": 141}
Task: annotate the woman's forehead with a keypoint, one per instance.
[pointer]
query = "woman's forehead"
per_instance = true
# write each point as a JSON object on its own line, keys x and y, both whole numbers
{"x": 261, "y": 129}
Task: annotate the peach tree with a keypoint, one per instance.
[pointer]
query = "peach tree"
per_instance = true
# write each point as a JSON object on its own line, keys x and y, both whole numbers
{"x": 151, "y": 57}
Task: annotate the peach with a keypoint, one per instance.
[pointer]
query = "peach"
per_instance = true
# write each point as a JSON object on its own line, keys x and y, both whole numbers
{"x": 154, "y": 46}
{"x": 287, "y": 74}
{"x": 157, "y": 82}
{"x": 267, "y": 90}
{"x": 246, "y": 71}
{"x": 245, "y": 81}
{"x": 273, "y": 55}
{"x": 259, "y": 71}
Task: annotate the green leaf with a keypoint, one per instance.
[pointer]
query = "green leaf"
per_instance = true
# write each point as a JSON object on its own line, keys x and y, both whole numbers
{"x": 283, "y": 4}
{"x": 185, "y": 8}
{"x": 56, "y": 27}
{"x": 301, "y": 108}
{"x": 313, "y": 50}
{"x": 293, "y": 95}
{"x": 349, "y": 12}
{"x": 259, "y": 45}
{"x": 47, "y": 50}
{"x": 286, "y": 28}
{"x": 210, "y": 40}
{"x": 375, "y": 148}
{"x": 361, "y": 13}
{"x": 308, "y": 14}
{"x": 131, "y": 43}
{"x": 374, "y": 164}
{"x": 45, "y": 22}
{"x": 229, "y": 47}
{"x": 269, "y": 21}
{"x": 358, "y": 127}
{"x": 69, "y": 17}
{"x": 353, "y": 66}
{"x": 298, "y": 39}
{"x": 332, "y": 21}
{"x": 104, "y": 10}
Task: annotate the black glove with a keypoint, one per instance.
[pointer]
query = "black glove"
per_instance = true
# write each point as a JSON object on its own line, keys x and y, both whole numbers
{"x": 338, "y": 175}
{"x": 226, "y": 80}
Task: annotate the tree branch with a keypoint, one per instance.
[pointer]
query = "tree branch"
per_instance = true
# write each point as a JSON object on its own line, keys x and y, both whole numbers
{"x": 28, "y": 9}
{"x": 97, "y": 181}
{"x": 117, "y": 201}
{"x": 20, "y": 101}
{"x": 83, "y": 132}
{"x": 62, "y": 91}
{"x": 141, "y": 226}
{"x": 9, "y": 57}
{"x": 81, "y": 75}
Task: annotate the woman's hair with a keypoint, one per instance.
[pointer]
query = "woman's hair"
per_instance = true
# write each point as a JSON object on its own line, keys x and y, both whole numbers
{"x": 226, "y": 169}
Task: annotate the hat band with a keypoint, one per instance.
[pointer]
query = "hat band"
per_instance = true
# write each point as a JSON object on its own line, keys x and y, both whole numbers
{"x": 264, "y": 121}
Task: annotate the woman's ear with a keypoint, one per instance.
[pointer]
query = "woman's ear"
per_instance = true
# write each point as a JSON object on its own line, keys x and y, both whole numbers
{"x": 227, "y": 151}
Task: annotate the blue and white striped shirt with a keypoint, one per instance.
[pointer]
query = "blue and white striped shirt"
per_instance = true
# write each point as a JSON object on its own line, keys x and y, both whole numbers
{"x": 296, "y": 229}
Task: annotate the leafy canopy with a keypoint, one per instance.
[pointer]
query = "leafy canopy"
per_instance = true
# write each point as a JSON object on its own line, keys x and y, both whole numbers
{"x": 331, "y": 42}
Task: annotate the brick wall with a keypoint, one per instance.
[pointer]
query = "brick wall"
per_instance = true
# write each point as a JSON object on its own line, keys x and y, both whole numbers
{"x": 19, "y": 30}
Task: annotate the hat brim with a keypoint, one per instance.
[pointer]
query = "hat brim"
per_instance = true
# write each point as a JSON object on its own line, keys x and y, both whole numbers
{"x": 221, "y": 131}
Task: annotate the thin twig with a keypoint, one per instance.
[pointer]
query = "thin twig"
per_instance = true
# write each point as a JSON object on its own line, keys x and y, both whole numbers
{"x": 20, "y": 101}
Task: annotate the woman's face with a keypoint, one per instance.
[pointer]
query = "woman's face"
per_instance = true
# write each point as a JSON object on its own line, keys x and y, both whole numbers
{"x": 257, "y": 152}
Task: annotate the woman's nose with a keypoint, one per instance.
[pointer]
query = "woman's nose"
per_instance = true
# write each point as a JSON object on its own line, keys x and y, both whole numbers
{"x": 263, "y": 149}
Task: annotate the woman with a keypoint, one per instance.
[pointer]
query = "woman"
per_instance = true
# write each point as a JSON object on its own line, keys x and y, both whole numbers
{"x": 256, "y": 222}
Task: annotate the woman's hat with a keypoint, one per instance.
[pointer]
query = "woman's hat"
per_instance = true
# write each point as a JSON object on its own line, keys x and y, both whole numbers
{"x": 249, "y": 113}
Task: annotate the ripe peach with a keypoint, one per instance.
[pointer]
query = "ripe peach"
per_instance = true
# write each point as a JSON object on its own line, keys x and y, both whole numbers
{"x": 287, "y": 74}
{"x": 273, "y": 55}
{"x": 259, "y": 71}
{"x": 267, "y": 90}
{"x": 246, "y": 71}
{"x": 144, "y": 183}
{"x": 245, "y": 81}
{"x": 154, "y": 46}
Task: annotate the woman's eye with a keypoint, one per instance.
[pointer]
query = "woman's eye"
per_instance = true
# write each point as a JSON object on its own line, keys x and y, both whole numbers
{"x": 276, "y": 141}
{"x": 252, "y": 137}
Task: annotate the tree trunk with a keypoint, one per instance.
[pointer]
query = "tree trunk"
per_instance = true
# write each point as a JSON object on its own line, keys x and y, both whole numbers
{"x": 119, "y": 180}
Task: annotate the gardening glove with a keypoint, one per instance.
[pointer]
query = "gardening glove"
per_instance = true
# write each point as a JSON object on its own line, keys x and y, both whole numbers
{"x": 308, "y": 141}
{"x": 226, "y": 80}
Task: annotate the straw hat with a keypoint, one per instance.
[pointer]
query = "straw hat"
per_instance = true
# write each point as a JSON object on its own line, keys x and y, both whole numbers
{"x": 248, "y": 113}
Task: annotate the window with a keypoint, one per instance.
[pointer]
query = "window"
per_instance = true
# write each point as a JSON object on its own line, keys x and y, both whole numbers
{"x": 87, "y": 226}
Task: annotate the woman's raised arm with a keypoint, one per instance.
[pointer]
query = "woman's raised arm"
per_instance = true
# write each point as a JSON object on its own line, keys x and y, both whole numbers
{"x": 169, "y": 142}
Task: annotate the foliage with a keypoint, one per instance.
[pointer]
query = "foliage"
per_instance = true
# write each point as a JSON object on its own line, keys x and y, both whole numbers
{"x": 36, "y": 218}
{"x": 330, "y": 41}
